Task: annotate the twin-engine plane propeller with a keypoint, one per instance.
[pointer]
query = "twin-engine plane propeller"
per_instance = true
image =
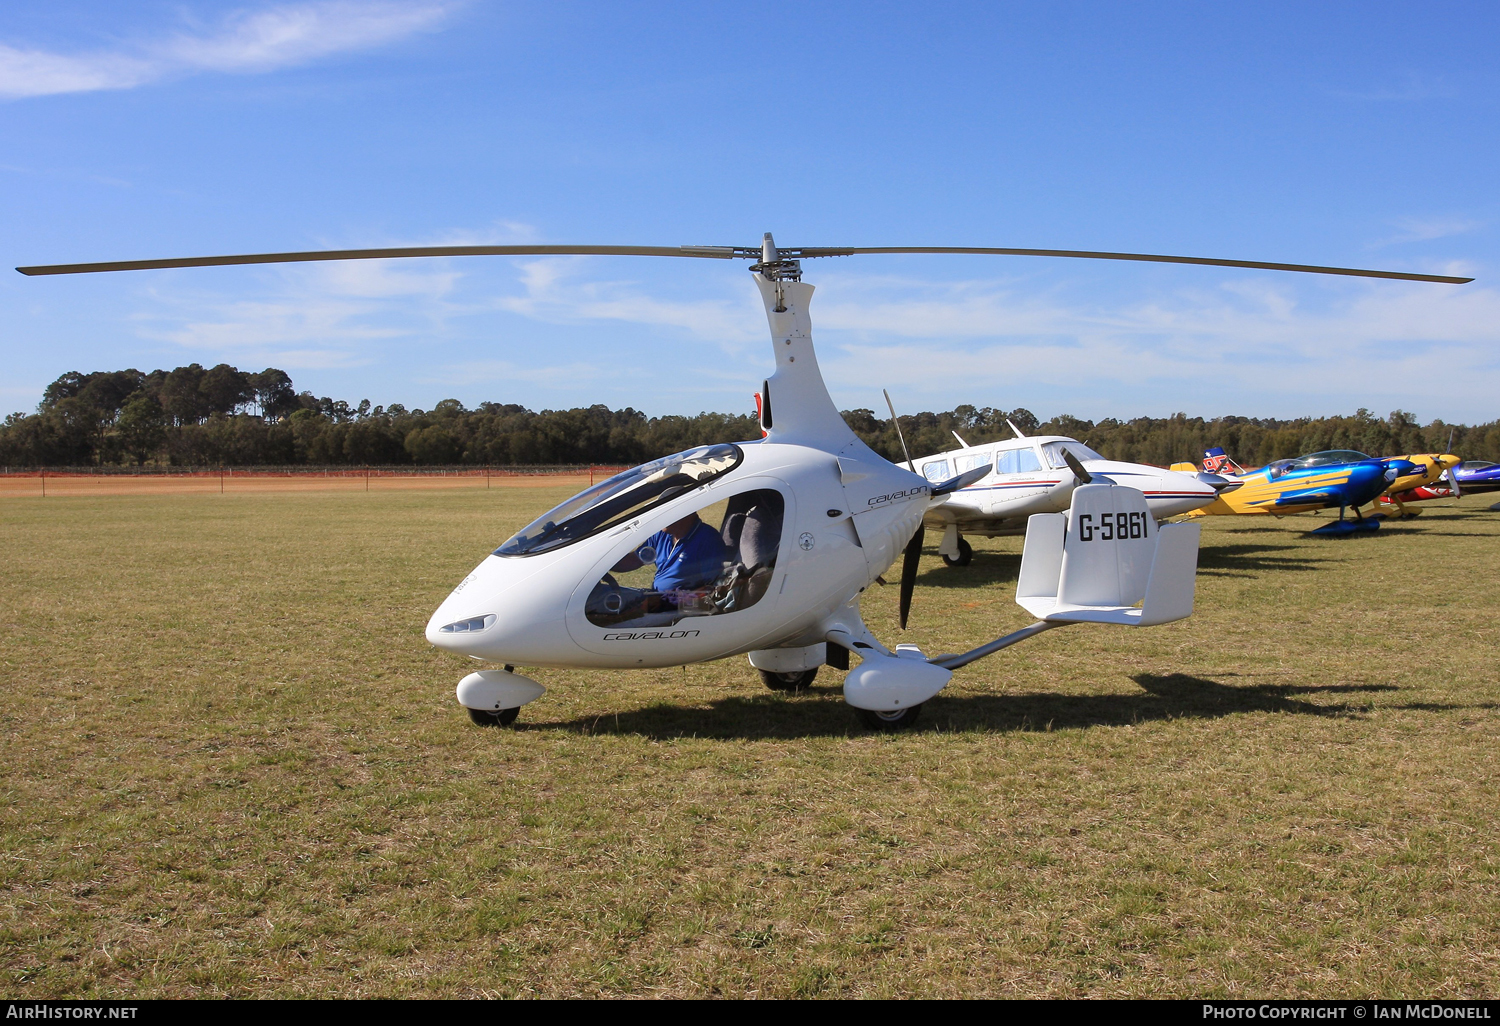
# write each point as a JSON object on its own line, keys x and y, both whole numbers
{"x": 765, "y": 548}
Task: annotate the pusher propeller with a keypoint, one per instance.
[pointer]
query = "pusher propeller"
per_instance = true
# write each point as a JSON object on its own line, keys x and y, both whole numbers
{"x": 909, "y": 563}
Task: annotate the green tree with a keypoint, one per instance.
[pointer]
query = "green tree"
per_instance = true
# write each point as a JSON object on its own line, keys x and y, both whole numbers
{"x": 142, "y": 427}
{"x": 433, "y": 445}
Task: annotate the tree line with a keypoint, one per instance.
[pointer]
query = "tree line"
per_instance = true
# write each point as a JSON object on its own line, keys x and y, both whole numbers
{"x": 222, "y": 416}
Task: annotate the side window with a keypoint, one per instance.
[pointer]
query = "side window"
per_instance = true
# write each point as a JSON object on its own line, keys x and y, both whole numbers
{"x": 937, "y": 471}
{"x": 1006, "y": 462}
{"x": 1026, "y": 461}
{"x": 716, "y": 560}
{"x": 963, "y": 464}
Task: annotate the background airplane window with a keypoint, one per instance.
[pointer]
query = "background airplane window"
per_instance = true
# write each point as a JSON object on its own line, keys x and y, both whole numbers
{"x": 722, "y": 562}
{"x": 937, "y": 471}
{"x": 1006, "y": 462}
{"x": 963, "y": 464}
{"x": 1026, "y": 461}
{"x": 1078, "y": 449}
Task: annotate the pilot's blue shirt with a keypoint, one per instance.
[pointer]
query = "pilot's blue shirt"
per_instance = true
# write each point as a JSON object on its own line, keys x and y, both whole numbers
{"x": 690, "y": 563}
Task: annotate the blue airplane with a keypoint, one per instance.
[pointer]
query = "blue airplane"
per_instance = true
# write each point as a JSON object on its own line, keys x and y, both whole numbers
{"x": 1320, "y": 480}
{"x": 1477, "y": 476}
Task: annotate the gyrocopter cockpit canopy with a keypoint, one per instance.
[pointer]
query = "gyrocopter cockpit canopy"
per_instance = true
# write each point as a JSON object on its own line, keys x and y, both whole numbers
{"x": 623, "y": 496}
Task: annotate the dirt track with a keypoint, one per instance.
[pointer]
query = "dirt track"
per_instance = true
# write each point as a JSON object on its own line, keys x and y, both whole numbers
{"x": 71, "y": 485}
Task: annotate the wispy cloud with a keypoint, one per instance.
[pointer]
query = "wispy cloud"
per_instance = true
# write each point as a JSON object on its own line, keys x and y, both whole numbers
{"x": 1423, "y": 229}
{"x": 333, "y": 315}
{"x": 555, "y": 290}
{"x": 324, "y": 314}
{"x": 244, "y": 41}
{"x": 1242, "y": 343}
{"x": 1412, "y": 87}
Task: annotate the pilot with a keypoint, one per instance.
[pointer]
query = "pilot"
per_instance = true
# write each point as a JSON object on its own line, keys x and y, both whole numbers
{"x": 688, "y": 554}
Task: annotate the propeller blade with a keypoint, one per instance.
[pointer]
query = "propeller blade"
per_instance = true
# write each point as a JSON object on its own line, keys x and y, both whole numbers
{"x": 1458, "y": 493}
{"x": 706, "y": 252}
{"x": 1084, "y": 477}
{"x": 892, "y": 407}
{"x": 963, "y": 480}
{"x": 1218, "y": 482}
{"x": 909, "y": 563}
{"x": 1084, "y": 254}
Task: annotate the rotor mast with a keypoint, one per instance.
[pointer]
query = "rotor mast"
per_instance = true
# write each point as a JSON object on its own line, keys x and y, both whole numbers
{"x": 802, "y": 411}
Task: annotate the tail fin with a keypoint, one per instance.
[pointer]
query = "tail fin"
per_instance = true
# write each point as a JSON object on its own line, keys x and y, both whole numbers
{"x": 1215, "y": 461}
{"x": 1107, "y": 561}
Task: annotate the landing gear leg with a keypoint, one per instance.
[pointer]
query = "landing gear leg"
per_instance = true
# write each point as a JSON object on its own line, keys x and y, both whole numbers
{"x": 788, "y": 681}
{"x": 965, "y": 555}
{"x": 499, "y": 718}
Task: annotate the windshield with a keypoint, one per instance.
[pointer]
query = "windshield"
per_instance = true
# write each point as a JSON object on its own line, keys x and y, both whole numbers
{"x": 622, "y": 497}
{"x": 1329, "y": 458}
{"x": 1078, "y": 449}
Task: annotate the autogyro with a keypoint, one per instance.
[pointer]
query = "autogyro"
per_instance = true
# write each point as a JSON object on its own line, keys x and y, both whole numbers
{"x": 764, "y": 548}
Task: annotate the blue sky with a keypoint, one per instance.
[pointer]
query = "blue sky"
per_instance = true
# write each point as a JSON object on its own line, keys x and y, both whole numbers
{"x": 1360, "y": 134}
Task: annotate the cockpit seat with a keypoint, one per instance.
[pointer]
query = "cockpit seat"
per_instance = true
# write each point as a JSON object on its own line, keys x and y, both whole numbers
{"x": 751, "y": 533}
{"x": 734, "y": 524}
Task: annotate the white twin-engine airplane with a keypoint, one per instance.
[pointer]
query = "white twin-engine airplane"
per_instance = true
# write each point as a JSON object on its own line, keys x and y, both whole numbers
{"x": 1033, "y": 475}
{"x": 766, "y": 547}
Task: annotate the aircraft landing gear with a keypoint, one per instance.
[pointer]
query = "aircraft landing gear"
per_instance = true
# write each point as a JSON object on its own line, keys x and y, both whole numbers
{"x": 1342, "y": 526}
{"x": 501, "y": 718}
{"x": 788, "y": 681}
{"x": 965, "y": 555}
{"x": 887, "y": 722}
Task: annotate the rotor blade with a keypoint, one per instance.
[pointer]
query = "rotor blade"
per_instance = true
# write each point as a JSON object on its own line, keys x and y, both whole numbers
{"x": 909, "y": 563}
{"x": 1157, "y": 258}
{"x": 707, "y": 252}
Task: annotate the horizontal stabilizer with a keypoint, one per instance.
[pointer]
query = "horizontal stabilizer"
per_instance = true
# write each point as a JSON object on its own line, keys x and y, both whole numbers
{"x": 1107, "y": 561}
{"x": 1327, "y": 496}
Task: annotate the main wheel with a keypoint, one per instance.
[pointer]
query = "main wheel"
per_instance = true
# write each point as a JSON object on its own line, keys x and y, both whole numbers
{"x": 897, "y": 719}
{"x": 965, "y": 555}
{"x": 788, "y": 681}
{"x": 500, "y": 718}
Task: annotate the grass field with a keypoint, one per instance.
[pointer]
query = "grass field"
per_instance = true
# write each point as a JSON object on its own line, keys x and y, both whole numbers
{"x": 233, "y": 766}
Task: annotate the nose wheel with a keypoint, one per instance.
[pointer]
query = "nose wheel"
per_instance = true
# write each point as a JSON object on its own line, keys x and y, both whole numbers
{"x": 499, "y": 718}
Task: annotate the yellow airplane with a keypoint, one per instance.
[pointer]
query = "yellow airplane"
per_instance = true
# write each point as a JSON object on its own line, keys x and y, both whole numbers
{"x": 1431, "y": 468}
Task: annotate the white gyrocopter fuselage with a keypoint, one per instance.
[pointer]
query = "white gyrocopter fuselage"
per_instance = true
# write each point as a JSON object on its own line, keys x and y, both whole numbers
{"x": 801, "y": 523}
